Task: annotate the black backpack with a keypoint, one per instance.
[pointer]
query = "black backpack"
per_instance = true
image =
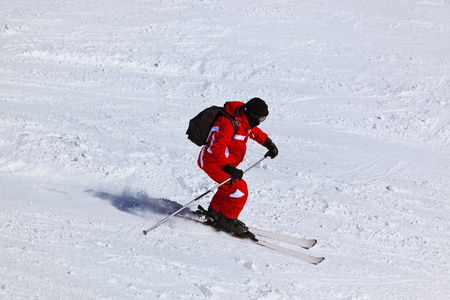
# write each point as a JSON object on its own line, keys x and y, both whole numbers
{"x": 201, "y": 124}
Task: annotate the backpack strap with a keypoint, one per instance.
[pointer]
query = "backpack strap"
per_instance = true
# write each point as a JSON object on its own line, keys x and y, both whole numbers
{"x": 231, "y": 118}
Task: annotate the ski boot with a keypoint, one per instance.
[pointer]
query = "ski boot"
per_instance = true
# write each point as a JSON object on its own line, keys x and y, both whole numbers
{"x": 235, "y": 227}
{"x": 211, "y": 216}
{"x": 208, "y": 214}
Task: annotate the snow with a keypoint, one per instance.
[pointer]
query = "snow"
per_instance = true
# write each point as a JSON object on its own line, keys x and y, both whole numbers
{"x": 95, "y": 98}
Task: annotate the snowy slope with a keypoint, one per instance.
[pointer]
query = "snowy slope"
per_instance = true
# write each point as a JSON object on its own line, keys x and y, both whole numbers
{"x": 95, "y": 97}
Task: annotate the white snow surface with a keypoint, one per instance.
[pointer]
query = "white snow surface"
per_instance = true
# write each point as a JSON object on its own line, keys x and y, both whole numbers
{"x": 95, "y": 98}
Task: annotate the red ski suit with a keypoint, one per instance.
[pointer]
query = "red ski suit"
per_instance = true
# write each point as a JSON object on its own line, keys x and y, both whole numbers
{"x": 223, "y": 147}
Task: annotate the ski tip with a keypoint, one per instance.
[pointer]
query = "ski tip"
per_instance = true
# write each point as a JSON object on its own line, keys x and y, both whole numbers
{"x": 314, "y": 242}
{"x": 319, "y": 260}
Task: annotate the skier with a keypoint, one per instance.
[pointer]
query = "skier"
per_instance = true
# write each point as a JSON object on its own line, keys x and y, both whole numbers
{"x": 223, "y": 153}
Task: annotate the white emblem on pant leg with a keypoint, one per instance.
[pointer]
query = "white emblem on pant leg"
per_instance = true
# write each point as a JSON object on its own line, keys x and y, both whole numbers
{"x": 237, "y": 194}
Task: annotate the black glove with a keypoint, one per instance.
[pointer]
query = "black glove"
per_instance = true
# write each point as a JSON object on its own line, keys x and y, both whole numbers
{"x": 236, "y": 174}
{"x": 273, "y": 150}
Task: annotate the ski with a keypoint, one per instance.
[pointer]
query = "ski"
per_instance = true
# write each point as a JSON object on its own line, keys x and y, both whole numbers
{"x": 304, "y": 243}
{"x": 190, "y": 215}
{"x": 305, "y": 257}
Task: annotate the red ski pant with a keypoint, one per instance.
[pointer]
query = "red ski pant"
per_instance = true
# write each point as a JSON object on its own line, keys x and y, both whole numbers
{"x": 228, "y": 200}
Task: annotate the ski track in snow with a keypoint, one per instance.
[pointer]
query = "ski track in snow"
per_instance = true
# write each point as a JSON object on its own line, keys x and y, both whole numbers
{"x": 95, "y": 98}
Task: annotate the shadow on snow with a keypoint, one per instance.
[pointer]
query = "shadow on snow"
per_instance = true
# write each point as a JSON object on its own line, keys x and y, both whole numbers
{"x": 139, "y": 204}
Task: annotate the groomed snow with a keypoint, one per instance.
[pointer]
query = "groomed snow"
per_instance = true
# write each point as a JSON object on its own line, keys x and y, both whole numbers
{"x": 95, "y": 98}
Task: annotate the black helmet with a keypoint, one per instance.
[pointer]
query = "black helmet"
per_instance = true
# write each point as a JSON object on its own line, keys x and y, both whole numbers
{"x": 256, "y": 111}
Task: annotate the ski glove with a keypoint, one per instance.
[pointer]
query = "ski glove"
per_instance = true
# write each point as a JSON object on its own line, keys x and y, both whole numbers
{"x": 273, "y": 150}
{"x": 236, "y": 174}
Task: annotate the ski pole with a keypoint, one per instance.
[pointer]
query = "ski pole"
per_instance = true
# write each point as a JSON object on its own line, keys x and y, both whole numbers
{"x": 202, "y": 195}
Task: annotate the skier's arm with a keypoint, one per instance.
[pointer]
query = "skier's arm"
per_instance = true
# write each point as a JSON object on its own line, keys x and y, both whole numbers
{"x": 221, "y": 137}
{"x": 258, "y": 135}
{"x": 262, "y": 138}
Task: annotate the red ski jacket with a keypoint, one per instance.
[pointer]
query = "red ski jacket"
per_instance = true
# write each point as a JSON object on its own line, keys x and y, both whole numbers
{"x": 222, "y": 146}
